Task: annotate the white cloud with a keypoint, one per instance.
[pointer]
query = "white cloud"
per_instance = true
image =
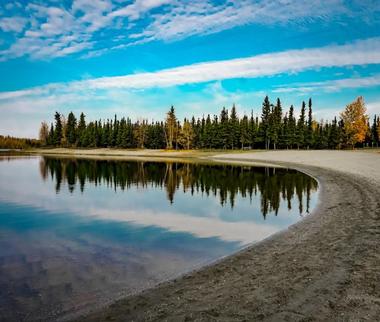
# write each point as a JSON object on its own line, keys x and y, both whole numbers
{"x": 361, "y": 52}
{"x": 139, "y": 7}
{"x": 51, "y": 24}
{"x": 196, "y": 17}
{"x": 12, "y": 24}
{"x": 358, "y": 53}
{"x": 330, "y": 85}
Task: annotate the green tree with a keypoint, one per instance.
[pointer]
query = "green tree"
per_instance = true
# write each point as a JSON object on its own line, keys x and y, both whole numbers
{"x": 265, "y": 122}
{"x": 71, "y": 129}
{"x": 224, "y": 129}
{"x": 292, "y": 128}
{"x": 374, "y": 132}
{"x": 233, "y": 128}
{"x": 171, "y": 128}
{"x": 301, "y": 127}
{"x": 57, "y": 129}
{"x": 309, "y": 135}
{"x": 276, "y": 123}
{"x": 244, "y": 132}
{"x": 82, "y": 130}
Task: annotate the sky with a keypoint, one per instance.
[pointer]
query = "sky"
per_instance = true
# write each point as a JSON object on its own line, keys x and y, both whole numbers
{"x": 136, "y": 58}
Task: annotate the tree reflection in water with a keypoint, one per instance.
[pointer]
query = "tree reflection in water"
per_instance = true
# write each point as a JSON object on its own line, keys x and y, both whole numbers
{"x": 223, "y": 181}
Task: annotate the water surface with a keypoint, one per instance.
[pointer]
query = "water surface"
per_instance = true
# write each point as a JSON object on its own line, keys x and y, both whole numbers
{"x": 76, "y": 234}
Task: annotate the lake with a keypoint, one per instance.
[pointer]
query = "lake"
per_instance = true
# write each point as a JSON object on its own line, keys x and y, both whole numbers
{"x": 77, "y": 234}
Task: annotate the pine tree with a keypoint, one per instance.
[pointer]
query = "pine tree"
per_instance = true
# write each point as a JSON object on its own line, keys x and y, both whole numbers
{"x": 253, "y": 128}
{"x": 171, "y": 128}
{"x": 81, "y": 130}
{"x": 224, "y": 129}
{"x": 285, "y": 132}
{"x": 374, "y": 132}
{"x": 301, "y": 127}
{"x": 334, "y": 139}
{"x": 265, "y": 122}
{"x": 276, "y": 123}
{"x": 50, "y": 140}
{"x": 309, "y": 137}
{"x": 57, "y": 130}
{"x": 292, "y": 128}
{"x": 234, "y": 128}
{"x": 244, "y": 132}
{"x": 71, "y": 129}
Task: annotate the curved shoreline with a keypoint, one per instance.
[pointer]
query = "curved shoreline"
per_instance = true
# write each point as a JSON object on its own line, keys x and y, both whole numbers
{"x": 325, "y": 267}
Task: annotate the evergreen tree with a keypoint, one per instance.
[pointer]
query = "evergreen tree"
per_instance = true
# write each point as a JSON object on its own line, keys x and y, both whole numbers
{"x": 334, "y": 139}
{"x": 224, "y": 129}
{"x": 301, "y": 127}
{"x": 276, "y": 123}
{"x": 234, "y": 129}
{"x": 71, "y": 129}
{"x": 57, "y": 129}
{"x": 292, "y": 128}
{"x": 82, "y": 130}
{"x": 50, "y": 140}
{"x": 309, "y": 137}
{"x": 253, "y": 129}
{"x": 265, "y": 122}
{"x": 244, "y": 132}
{"x": 374, "y": 132}
{"x": 171, "y": 128}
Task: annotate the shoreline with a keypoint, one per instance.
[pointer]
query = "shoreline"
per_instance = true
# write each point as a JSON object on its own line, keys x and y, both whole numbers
{"x": 325, "y": 267}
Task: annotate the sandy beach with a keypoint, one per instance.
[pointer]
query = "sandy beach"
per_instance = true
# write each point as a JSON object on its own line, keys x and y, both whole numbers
{"x": 324, "y": 268}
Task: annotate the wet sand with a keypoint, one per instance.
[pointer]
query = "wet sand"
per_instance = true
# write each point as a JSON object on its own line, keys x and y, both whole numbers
{"x": 324, "y": 268}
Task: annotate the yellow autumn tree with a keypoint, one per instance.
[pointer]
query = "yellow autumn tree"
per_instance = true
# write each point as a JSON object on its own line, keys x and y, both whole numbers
{"x": 355, "y": 122}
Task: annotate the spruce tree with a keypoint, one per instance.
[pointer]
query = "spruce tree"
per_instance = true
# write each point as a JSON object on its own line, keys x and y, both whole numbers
{"x": 374, "y": 132}
{"x": 234, "y": 129}
{"x": 276, "y": 123}
{"x": 71, "y": 129}
{"x": 58, "y": 129}
{"x": 224, "y": 129}
{"x": 292, "y": 128}
{"x": 244, "y": 132}
{"x": 81, "y": 130}
{"x": 301, "y": 127}
{"x": 265, "y": 122}
{"x": 309, "y": 137}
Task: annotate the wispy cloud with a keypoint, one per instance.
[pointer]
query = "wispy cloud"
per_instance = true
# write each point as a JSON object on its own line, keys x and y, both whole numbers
{"x": 361, "y": 52}
{"x": 12, "y": 24}
{"x": 330, "y": 85}
{"x": 189, "y": 18}
{"x": 44, "y": 31}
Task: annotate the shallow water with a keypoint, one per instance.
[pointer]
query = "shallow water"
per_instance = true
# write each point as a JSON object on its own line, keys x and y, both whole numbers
{"x": 76, "y": 234}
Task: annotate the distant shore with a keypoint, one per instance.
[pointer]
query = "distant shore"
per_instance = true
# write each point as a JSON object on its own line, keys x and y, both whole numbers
{"x": 324, "y": 268}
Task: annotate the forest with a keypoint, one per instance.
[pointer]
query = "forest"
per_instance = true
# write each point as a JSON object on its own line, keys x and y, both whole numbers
{"x": 274, "y": 129}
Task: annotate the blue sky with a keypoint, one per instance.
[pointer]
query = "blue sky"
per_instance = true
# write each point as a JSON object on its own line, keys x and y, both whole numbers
{"x": 137, "y": 57}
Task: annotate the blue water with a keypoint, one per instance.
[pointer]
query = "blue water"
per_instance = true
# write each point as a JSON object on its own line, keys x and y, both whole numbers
{"x": 75, "y": 235}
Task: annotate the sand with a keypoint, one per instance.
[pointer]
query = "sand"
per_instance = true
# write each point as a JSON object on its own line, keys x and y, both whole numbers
{"x": 324, "y": 268}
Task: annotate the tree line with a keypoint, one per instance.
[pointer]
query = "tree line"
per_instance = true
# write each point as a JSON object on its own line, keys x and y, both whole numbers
{"x": 9, "y": 142}
{"x": 274, "y": 129}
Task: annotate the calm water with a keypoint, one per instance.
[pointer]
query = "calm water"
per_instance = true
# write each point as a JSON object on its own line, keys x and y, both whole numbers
{"x": 75, "y": 234}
